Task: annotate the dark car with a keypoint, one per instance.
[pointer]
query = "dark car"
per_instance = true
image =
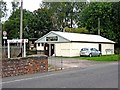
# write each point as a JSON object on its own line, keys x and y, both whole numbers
{"x": 90, "y": 52}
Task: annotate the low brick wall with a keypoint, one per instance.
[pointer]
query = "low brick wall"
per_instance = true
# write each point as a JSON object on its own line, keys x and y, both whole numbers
{"x": 21, "y": 66}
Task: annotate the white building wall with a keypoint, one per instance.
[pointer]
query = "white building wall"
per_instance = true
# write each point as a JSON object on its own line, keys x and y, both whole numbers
{"x": 62, "y": 49}
{"x": 76, "y": 47}
{"x": 107, "y": 49}
{"x": 39, "y": 47}
{"x": 71, "y": 49}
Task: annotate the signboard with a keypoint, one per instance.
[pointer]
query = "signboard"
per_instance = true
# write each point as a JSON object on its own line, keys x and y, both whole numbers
{"x": 52, "y": 38}
{"x": 4, "y": 33}
{"x": 26, "y": 40}
{"x": 18, "y": 41}
{"x": 4, "y": 37}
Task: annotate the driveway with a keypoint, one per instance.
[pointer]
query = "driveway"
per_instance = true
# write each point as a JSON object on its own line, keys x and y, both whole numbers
{"x": 64, "y": 63}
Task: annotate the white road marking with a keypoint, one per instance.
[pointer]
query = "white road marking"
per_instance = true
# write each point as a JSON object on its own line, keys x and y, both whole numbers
{"x": 37, "y": 77}
{"x": 69, "y": 65}
{"x": 27, "y": 79}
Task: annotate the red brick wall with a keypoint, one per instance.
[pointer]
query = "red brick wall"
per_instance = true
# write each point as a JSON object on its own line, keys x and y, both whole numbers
{"x": 21, "y": 66}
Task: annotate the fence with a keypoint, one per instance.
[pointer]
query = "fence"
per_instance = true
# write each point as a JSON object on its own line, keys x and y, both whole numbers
{"x": 59, "y": 63}
{"x": 14, "y": 51}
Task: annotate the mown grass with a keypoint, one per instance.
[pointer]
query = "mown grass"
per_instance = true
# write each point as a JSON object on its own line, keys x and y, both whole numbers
{"x": 102, "y": 58}
{"x": 114, "y": 57}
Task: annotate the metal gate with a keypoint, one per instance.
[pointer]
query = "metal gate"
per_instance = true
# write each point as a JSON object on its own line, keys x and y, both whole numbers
{"x": 59, "y": 63}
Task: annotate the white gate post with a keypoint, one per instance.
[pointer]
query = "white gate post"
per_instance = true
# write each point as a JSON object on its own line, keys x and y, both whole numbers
{"x": 24, "y": 48}
{"x": 8, "y": 49}
{"x": 49, "y": 49}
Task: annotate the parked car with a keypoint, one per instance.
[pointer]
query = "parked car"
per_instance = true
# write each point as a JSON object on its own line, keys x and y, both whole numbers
{"x": 90, "y": 52}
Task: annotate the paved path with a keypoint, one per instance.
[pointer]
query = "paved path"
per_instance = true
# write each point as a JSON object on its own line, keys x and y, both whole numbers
{"x": 97, "y": 76}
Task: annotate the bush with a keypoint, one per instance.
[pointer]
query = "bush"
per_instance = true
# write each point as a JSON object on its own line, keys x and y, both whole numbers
{"x": 31, "y": 52}
{"x": 117, "y": 50}
{"x": 76, "y": 30}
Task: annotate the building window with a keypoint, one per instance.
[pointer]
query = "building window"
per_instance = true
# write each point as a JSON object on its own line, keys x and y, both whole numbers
{"x": 46, "y": 48}
{"x": 38, "y": 44}
{"x": 42, "y": 44}
{"x": 32, "y": 42}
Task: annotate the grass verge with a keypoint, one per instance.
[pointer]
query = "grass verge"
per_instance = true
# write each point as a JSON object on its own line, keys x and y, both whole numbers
{"x": 103, "y": 58}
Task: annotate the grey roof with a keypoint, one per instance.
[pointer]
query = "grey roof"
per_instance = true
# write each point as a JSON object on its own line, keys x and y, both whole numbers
{"x": 79, "y": 37}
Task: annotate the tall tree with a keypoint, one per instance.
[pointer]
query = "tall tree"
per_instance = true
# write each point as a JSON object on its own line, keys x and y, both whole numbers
{"x": 116, "y": 21}
{"x": 3, "y": 9}
{"x": 12, "y": 25}
{"x": 76, "y": 30}
{"x": 109, "y": 19}
{"x": 3, "y": 13}
{"x": 41, "y": 22}
{"x": 65, "y": 13}
{"x": 35, "y": 24}
{"x": 15, "y": 5}
{"x": 89, "y": 18}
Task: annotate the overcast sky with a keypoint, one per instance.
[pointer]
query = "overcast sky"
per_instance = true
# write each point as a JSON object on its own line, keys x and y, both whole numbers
{"x": 27, "y": 4}
{"x": 30, "y": 5}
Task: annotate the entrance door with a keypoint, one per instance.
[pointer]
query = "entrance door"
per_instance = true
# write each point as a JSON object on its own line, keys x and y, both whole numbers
{"x": 52, "y": 49}
{"x": 46, "y": 49}
{"x": 99, "y": 47}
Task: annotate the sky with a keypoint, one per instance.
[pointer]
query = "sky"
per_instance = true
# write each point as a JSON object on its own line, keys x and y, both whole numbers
{"x": 27, "y": 4}
{"x": 30, "y": 5}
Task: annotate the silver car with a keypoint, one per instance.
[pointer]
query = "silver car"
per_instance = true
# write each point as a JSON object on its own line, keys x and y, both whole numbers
{"x": 90, "y": 52}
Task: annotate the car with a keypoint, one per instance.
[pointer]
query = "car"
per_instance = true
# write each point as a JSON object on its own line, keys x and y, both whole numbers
{"x": 90, "y": 52}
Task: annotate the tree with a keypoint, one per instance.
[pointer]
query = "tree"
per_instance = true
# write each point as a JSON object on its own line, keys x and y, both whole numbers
{"x": 50, "y": 16}
{"x": 64, "y": 13}
{"x": 3, "y": 9}
{"x": 89, "y": 18}
{"x": 12, "y": 25}
{"x": 116, "y": 21}
{"x": 41, "y": 22}
{"x": 35, "y": 24}
{"x": 15, "y": 5}
{"x": 76, "y": 30}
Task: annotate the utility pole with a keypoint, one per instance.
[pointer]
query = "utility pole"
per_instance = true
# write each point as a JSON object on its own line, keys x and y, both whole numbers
{"x": 21, "y": 25}
{"x": 21, "y": 19}
{"x": 98, "y": 26}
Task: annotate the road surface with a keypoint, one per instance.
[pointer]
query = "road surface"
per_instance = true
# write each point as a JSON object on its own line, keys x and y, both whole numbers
{"x": 97, "y": 76}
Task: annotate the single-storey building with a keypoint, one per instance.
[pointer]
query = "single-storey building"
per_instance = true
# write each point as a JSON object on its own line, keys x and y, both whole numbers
{"x": 69, "y": 44}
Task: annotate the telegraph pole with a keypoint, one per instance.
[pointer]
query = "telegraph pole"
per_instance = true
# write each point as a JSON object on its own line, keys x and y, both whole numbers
{"x": 21, "y": 19}
{"x": 98, "y": 26}
{"x": 21, "y": 25}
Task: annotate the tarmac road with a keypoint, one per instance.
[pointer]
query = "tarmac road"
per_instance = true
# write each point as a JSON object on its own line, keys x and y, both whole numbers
{"x": 97, "y": 76}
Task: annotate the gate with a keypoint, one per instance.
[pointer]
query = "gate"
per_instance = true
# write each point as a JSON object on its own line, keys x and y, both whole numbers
{"x": 15, "y": 51}
{"x": 59, "y": 63}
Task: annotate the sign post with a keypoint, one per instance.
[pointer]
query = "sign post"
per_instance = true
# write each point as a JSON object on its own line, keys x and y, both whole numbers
{"x": 4, "y": 39}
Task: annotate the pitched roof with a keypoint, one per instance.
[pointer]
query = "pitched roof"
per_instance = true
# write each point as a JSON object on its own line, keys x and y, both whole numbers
{"x": 80, "y": 37}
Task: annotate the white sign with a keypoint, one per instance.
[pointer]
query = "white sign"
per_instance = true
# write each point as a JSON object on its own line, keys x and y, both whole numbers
{"x": 4, "y": 33}
{"x": 26, "y": 40}
{"x": 4, "y": 37}
{"x": 18, "y": 41}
